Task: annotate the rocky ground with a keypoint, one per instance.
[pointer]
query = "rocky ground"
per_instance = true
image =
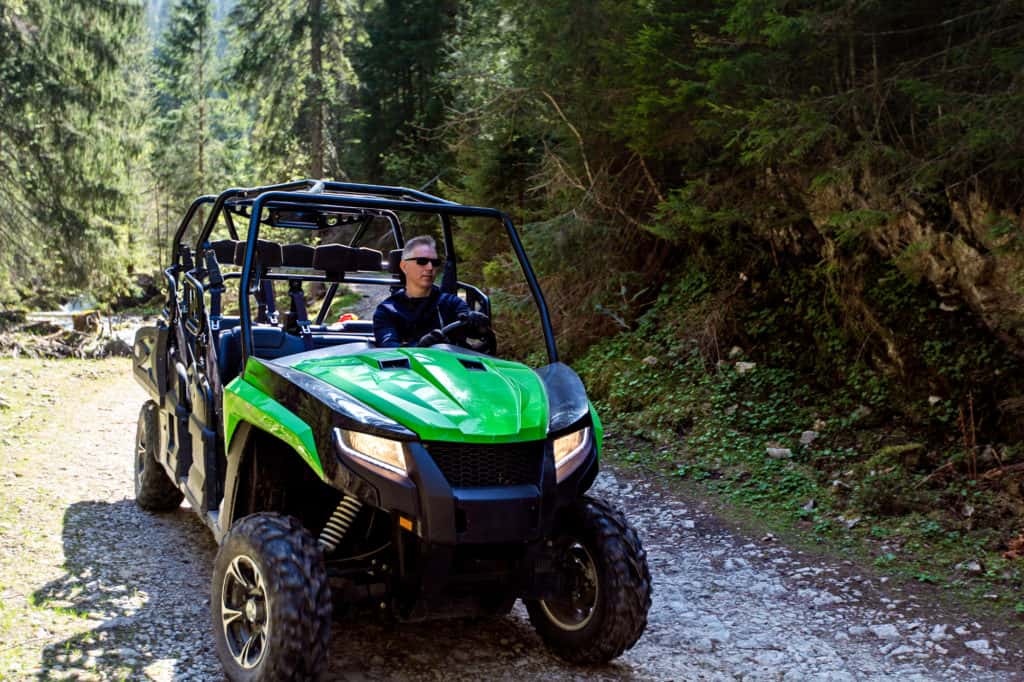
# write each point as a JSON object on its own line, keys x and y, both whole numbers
{"x": 93, "y": 588}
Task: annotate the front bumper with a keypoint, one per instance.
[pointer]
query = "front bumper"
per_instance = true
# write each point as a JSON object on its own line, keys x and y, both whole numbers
{"x": 449, "y": 515}
{"x": 468, "y": 545}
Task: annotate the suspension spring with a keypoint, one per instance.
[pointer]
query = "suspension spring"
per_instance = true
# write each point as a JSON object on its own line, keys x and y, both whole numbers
{"x": 333, "y": 533}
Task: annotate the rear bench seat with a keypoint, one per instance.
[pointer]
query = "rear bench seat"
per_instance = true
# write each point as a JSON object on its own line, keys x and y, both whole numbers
{"x": 270, "y": 343}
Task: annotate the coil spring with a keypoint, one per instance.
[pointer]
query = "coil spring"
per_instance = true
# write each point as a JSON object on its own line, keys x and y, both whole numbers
{"x": 333, "y": 533}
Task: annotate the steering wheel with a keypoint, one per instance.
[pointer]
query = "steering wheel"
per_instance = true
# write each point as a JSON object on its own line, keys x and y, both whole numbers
{"x": 475, "y": 335}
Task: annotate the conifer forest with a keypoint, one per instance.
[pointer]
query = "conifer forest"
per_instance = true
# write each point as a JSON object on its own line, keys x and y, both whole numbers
{"x": 751, "y": 218}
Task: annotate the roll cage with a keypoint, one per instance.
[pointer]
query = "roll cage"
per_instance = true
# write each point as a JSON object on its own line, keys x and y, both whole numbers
{"x": 318, "y": 204}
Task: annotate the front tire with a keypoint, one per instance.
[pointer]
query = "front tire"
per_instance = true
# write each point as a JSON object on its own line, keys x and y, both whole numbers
{"x": 154, "y": 491}
{"x": 605, "y": 610}
{"x": 270, "y": 601}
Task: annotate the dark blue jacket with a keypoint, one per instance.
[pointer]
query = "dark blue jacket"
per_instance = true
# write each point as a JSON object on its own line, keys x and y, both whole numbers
{"x": 402, "y": 321}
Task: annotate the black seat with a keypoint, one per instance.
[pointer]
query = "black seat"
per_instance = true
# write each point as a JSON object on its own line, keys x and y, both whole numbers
{"x": 337, "y": 259}
{"x": 270, "y": 342}
{"x": 225, "y": 250}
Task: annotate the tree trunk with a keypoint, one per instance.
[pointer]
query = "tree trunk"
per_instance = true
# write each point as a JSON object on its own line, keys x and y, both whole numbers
{"x": 314, "y": 91}
{"x": 201, "y": 98}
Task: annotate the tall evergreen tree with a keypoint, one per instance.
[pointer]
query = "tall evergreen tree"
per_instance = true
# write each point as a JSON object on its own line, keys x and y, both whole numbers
{"x": 400, "y": 98}
{"x": 65, "y": 143}
{"x": 197, "y": 140}
{"x": 290, "y": 60}
{"x": 183, "y": 89}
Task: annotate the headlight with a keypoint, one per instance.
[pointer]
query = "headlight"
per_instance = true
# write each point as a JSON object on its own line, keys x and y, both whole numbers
{"x": 570, "y": 450}
{"x": 383, "y": 452}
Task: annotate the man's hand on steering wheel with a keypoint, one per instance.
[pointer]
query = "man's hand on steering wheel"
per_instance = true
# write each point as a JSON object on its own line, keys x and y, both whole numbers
{"x": 477, "y": 320}
{"x": 472, "y": 324}
{"x": 432, "y": 337}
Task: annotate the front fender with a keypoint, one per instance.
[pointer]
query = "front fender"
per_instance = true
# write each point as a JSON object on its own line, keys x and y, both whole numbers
{"x": 243, "y": 402}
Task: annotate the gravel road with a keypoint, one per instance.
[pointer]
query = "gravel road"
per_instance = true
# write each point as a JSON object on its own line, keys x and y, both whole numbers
{"x": 92, "y": 588}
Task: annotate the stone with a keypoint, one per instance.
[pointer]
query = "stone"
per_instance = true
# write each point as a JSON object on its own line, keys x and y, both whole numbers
{"x": 973, "y": 567}
{"x": 116, "y": 347}
{"x": 744, "y": 367}
{"x": 779, "y": 453}
{"x": 650, "y": 361}
{"x": 979, "y": 645}
{"x": 113, "y": 623}
{"x": 885, "y": 631}
{"x": 735, "y": 352}
{"x": 702, "y": 645}
{"x": 771, "y": 658}
{"x": 861, "y": 412}
{"x": 808, "y": 437}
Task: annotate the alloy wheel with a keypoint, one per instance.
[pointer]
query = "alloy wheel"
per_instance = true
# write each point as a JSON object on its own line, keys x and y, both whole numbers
{"x": 245, "y": 612}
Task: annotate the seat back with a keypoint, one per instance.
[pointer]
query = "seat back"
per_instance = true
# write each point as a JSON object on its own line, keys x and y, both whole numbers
{"x": 270, "y": 342}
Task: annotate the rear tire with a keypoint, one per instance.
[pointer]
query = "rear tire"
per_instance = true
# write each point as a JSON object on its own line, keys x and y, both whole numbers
{"x": 270, "y": 601}
{"x": 154, "y": 491}
{"x": 606, "y": 610}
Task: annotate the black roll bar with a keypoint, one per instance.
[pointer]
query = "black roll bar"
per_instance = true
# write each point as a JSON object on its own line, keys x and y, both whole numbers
{"x": 433, "y": 205}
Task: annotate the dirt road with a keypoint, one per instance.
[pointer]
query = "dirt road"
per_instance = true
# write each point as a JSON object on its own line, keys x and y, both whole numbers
{"x": 93, "y": 588}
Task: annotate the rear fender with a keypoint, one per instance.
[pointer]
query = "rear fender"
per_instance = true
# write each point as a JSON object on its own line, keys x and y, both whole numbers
{"x": 149, "y": 360}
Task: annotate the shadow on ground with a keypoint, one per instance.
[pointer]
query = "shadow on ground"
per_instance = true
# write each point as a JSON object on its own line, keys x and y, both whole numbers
{"x": 138, "y": 583}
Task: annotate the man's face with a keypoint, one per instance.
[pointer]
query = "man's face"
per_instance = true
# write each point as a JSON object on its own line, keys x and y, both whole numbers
{"x": 419, "y": 278}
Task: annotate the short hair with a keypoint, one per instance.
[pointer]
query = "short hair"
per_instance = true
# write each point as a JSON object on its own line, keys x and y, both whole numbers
{"x": 421, "y": 240}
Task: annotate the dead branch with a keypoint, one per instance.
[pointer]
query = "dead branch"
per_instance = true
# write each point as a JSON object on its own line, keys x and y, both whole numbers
{"x": 579, "y": 138}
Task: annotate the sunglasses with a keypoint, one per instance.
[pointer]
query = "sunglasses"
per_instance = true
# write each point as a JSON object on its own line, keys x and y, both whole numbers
{"x": 423, "y": 260}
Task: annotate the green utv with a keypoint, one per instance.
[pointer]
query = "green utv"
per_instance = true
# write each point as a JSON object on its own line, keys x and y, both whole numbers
{"x": 421, "y": 481}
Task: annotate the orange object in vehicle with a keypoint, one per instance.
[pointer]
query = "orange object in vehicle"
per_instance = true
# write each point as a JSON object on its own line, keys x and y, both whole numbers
{"x": 347, "y": 317}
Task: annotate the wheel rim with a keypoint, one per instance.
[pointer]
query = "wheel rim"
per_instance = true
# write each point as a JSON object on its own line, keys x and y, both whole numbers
{"x": 141, "y": 450}
{"x": 577, "y": 608}
{"x": 244, "y": 612}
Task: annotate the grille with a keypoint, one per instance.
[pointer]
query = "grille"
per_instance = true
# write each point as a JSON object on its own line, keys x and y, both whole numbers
{"x": 467, "y": 465}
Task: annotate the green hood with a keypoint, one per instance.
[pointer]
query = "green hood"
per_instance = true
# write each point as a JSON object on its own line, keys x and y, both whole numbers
{"x": 442, "y": 395}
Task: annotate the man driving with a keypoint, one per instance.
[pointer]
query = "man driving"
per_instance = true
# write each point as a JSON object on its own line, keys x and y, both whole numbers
{"x": 414, "y": 316}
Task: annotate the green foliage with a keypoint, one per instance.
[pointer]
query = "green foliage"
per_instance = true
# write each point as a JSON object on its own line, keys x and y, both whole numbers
{"x": 197, "y": 135}
{"x": 291, "y": 65}
{"x": 66, "y": 140}
{"x": 890, "y": 483}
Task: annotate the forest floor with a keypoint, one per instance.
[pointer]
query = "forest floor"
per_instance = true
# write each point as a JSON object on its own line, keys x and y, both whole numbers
{"x": 91, "y": 587}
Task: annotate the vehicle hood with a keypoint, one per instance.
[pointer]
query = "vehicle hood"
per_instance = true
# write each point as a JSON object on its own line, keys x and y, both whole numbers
{"x": 440, "y": 394}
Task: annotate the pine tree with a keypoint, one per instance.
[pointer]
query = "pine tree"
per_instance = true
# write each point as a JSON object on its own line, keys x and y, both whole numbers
{"x": 290, "y": 61}
{"x": 197, "y": 139}
{"x": 65, "y": 140}
{"x": 182, "y": 88}
{"x": 401, "y": 96}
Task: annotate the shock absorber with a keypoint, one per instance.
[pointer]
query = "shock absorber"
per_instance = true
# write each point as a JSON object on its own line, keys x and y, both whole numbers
{"x": 333, "y": 533}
